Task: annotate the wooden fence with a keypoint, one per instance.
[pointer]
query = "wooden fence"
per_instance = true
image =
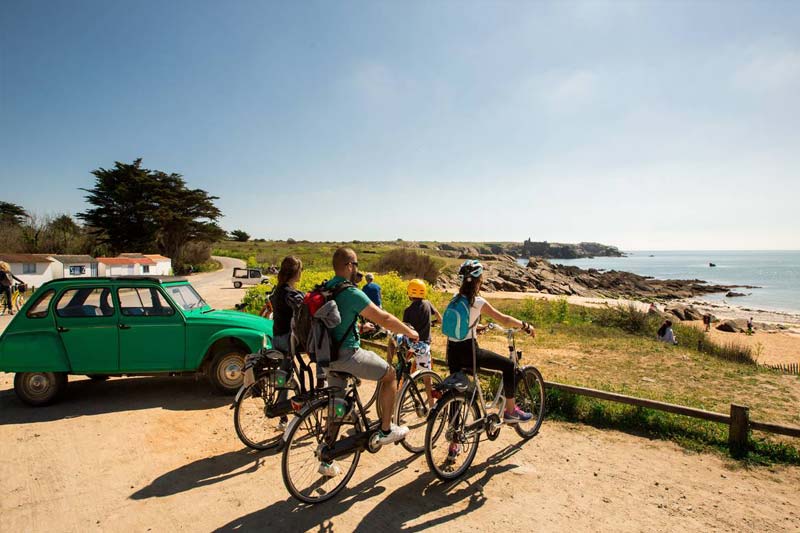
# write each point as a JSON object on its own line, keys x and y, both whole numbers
{"x": 738, "y": 420}
{"x": 786, "y": 368}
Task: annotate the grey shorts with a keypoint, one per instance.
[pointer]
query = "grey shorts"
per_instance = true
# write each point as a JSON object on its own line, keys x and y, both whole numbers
{"x": 360, "y": 363}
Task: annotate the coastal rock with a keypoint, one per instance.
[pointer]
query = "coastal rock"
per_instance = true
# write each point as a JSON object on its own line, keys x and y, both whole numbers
{"x": 732, "y": 294}
{"x": 730, "y": 326}
{"x": 505, "y": 274}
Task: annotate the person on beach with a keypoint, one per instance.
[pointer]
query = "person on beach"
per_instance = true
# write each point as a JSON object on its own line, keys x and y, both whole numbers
{"x": 665, "y": 333}
{"x": 750, "y": 326}
{"x": 707, "y": 322}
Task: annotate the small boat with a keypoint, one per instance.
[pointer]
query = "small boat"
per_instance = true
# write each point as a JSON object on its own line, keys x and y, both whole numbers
{"x": 712, "y": 265}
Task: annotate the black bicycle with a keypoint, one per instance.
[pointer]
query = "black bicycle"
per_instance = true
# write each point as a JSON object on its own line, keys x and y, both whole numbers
{"x": 324, "y": 442}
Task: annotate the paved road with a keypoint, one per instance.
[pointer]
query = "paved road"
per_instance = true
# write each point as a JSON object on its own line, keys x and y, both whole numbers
{"x": 215, "y": 287}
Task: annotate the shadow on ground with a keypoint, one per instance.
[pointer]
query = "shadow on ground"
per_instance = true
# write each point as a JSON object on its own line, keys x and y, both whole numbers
{"x": 204, "y": 472}
{"x": 84, "y": 397}
{"x": 392, "y": 511}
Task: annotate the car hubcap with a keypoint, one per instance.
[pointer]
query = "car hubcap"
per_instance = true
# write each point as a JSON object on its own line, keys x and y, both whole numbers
{"x": 230, "y": 370}
{"x": 38, "y": 385}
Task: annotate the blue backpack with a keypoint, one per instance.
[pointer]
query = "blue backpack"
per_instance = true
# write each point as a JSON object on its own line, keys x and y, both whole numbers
{"x": 455, "y": 320}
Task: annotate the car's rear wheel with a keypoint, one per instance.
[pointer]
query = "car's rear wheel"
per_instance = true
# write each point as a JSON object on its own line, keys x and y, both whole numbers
{"x": 39, "y": 388}
{"x": 226, "y": 371}
{"x": 237, "y": 284}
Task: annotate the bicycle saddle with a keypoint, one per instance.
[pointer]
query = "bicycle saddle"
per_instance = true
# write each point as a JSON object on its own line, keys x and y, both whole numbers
{"x": 457, "y": 381}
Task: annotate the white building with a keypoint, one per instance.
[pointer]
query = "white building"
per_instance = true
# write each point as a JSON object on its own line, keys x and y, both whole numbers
{"x": 163, "y": 265}
{"x": 73, "y": 266}
{"x": 125, "y": 266}
{"x": 32, "y": 269}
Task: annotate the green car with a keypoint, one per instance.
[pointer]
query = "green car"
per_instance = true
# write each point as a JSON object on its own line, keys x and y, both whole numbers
{"x": 129, "y": 326}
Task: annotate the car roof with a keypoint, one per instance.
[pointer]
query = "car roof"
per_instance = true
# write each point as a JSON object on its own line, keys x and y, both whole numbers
{"x": 114, "y": 279}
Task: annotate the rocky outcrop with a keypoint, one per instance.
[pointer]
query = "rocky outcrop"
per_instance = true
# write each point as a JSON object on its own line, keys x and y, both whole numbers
{"x": 528, "y": 248}
{"x": 732, "y": 326}
{"x": 542, "y": 276}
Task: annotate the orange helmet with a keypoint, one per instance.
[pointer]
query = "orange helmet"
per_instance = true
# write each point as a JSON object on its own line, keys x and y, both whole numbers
{"x": 416, "y": 288}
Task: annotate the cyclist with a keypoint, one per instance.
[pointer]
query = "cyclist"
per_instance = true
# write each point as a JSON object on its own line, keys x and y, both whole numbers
{"x": 6, "y": 282}
{"x": 354, "y": 360}
{"x": 460, "y": 352}
{"x": 418, "y": 316}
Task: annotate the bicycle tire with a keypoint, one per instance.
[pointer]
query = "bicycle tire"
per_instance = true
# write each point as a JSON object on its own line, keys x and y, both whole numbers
{"x": 272, "y": 435}
{"x": 311, "y": 423}
{"x": 530, "y": 396}
{"x": 444, "y": 421}
{"x": 412, "y": 409}
{"x": 19, "y": 301}
{"x": 373, "y": 399}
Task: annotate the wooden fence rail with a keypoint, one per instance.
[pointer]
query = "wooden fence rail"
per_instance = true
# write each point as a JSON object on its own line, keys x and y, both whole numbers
{"x": 738, "y": 421}
{"x": 786, "y": 368}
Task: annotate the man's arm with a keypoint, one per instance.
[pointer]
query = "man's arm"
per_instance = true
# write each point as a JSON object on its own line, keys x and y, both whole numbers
{"x": 375, "y": 314}
{"x": 435, "y": 312}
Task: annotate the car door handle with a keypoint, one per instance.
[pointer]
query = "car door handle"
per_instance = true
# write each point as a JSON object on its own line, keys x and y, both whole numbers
{"x": 123, "y": 326}
{"x": 62, "y": 329}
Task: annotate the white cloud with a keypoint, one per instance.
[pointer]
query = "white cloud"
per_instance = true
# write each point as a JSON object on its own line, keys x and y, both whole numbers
{"x": 769, "y": 71}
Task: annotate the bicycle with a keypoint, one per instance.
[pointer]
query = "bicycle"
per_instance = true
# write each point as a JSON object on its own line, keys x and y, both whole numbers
{"x": 334, "y": 427}
{"x": 259, "y": 414}
{"x": 17, "y": 299}
{"x": 459, "y": 418}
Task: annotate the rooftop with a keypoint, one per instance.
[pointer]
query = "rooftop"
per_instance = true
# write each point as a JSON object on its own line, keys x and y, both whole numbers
{"x": 125, "y": 261}
{"x": 24, "y": 258}
{"x": 72, "y": 259}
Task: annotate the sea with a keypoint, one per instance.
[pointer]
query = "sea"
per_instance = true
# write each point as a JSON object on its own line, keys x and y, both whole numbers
{"x": 775, "y": 273}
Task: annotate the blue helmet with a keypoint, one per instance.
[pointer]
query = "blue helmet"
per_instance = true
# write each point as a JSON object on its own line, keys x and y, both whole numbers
{"x": 470, "y": 269}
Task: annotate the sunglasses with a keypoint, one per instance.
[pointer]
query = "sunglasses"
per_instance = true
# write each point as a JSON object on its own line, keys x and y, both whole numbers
{"x": 354, "y": 263}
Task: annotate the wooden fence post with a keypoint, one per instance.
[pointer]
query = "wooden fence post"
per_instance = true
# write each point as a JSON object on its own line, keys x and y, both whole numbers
{"x": 739, "y": 430}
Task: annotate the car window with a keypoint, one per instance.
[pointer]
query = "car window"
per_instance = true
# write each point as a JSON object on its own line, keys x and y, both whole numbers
{"x": 39, "y": 309}
{"x": 186, "y": 297}
{"x": 239, "y": 273}
{"x": 255, "y": 273}
{"x": 143, "y": 301}
{"x": 85, "y": 302}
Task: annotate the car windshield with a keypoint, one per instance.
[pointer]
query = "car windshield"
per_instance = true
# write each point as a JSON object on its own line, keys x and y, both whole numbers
{"x": 186, "y": 297}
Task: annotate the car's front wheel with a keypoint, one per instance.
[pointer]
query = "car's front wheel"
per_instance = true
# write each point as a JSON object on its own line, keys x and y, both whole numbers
{"x": 39, "y": 388}
{"x": 226, "y": 370}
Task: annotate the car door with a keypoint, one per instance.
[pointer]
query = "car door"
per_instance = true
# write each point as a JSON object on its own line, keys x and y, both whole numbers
{"x": 87, "y": 324}
{"x": 152, "y": 333}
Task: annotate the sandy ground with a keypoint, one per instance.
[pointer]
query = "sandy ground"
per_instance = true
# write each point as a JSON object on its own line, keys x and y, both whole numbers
{"x": 774, "y": 346}
{"x": 160, "y": 454}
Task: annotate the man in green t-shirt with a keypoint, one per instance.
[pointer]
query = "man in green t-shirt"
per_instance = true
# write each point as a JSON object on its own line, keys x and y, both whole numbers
{"x": 352, "y": 359}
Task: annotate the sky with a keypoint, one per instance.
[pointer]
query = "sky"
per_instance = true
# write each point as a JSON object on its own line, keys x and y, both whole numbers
{"x": 645, "y": 125}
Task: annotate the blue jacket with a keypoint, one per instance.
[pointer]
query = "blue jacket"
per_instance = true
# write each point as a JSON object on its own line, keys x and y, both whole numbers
{"x": 373, "y": 292}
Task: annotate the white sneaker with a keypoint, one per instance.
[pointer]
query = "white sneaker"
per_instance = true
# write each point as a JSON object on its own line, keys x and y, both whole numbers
{"x": 395, "y": 434}
{"x": 329, "y": 470}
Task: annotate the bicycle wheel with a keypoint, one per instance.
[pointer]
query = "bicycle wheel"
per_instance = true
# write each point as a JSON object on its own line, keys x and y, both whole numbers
{"x": 254, "y": 428}
{"x": 529, "y": 395}
{"x": 413, "y": 408}
{"x": 301, "y": 463}
{"x": 19, "y": 301}
{"x": 449, "y": 448}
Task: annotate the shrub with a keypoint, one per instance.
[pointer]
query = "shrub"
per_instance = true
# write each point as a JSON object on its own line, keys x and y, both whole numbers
{"x": 628, "y": 318}
{"x": 195, "y": 253}
{"x": 407, "y": 262}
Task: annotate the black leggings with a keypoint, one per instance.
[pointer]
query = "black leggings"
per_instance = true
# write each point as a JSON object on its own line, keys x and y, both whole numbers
{"x": 459, "y": 356}
{"x": 6, "y": 292}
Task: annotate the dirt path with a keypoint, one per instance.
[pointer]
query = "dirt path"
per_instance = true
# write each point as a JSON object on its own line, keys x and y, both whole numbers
{"x": 216, "y": 287}
{"x": 160, "y": 454}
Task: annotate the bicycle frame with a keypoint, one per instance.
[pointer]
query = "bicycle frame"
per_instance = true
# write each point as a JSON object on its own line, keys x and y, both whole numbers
{"x": 499, "y": 400}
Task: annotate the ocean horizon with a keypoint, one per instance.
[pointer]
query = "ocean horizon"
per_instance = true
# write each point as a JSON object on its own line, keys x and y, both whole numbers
{"x": 776, "y": 273}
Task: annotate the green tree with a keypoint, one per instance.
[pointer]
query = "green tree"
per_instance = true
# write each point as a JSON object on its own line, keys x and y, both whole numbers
{"x": 137, "y": 209}
{"x": 12, "y": 213}
{"x": 240, "y": 235}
